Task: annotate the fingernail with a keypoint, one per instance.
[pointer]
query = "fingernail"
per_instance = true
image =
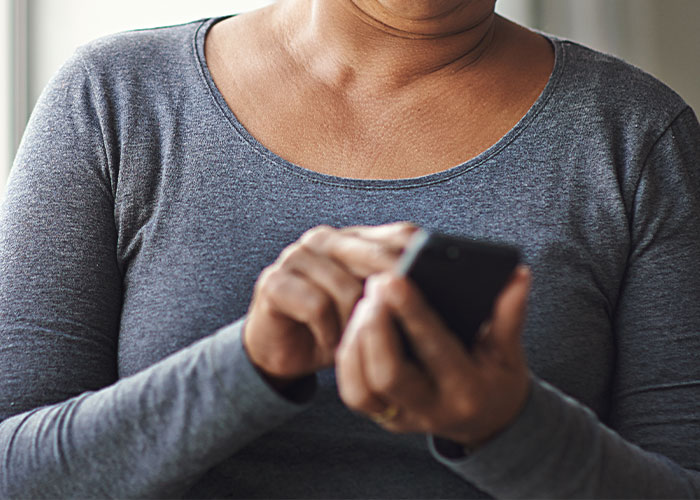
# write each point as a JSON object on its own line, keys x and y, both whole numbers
{"x": 525, "y": 272}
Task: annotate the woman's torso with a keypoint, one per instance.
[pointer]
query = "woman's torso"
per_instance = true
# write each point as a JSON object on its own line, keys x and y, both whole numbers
{"x": 201, "y": 207}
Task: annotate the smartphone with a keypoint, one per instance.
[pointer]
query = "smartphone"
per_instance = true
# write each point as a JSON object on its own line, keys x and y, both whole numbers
{"x": 460, "y": 278}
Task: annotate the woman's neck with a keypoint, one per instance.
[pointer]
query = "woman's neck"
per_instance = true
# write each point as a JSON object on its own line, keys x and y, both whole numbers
{"x": 358, "y": 44}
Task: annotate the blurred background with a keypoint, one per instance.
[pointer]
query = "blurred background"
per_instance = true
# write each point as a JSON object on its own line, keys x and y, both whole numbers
{"x": 660, "y": 36}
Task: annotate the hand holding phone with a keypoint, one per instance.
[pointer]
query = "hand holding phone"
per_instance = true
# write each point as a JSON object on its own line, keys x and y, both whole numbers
{"x": 434, "y": 386}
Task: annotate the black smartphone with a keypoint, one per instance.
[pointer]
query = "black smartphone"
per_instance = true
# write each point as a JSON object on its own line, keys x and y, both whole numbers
{"x": 460, "y": 278}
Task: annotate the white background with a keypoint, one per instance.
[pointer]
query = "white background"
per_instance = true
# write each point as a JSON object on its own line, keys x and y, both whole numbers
{"x": 6, "y": 148}
{"x": 661, "y": 36}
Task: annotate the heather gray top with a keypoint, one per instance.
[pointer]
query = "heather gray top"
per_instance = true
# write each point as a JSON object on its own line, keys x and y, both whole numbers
{"x": 140, "y": 212}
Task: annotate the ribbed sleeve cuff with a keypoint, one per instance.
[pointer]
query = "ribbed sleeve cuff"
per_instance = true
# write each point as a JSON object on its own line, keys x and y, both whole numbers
{"x": 519, "y": 462}
{"x": 258, "y": 406}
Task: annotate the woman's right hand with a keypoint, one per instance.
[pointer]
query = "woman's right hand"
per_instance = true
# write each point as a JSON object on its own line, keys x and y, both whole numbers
{"x": 303, "y": 301}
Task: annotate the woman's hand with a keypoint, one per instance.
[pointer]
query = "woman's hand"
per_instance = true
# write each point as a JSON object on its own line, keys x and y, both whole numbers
{"x": 466, "y": 397}
{"x": 302, "y": 302}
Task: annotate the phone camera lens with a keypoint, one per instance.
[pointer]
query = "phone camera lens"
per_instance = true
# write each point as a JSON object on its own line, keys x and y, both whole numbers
{"x": 452, "y": 252}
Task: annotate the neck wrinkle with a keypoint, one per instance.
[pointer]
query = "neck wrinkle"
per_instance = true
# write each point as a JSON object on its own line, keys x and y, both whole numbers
{"x": 336, "y": 37}
{"x": 394, "y": 31}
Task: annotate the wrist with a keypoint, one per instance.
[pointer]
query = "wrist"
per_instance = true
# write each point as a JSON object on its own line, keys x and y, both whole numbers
{"x": 492, "y": 427}
{"x": 297, "y": 389}
{"x": 294, "y": 389}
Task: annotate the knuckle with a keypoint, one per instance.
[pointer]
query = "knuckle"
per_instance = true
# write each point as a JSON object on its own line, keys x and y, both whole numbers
{"x": 350, "y": 290}
{"x": 288, "y": 256}
{"x": 380, "y": 253}
{"x": 263, "y": 278}
{"x": 317, "y": 305}
{"x": 271, "y": 280}
{"x": 465, "y": 407}
{"x": 316, "y": 236}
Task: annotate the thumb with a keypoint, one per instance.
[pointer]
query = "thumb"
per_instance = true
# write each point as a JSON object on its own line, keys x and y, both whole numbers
{"x": 509, "y": 315}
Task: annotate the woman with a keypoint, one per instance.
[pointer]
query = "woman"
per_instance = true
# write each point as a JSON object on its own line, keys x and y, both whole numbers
{"x": 181, "y": 318}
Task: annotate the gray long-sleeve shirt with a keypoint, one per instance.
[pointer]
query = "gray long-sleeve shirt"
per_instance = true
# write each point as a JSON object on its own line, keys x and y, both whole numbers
{"x": 140, "y": 212}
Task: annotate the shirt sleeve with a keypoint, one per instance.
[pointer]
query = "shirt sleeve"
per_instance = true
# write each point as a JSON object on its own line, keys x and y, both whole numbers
{"x": 69, "y": 427}
{"x": 649, "y": 448}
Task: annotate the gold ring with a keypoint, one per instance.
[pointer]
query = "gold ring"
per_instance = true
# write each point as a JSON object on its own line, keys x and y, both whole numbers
{"x": 387, "y": 415}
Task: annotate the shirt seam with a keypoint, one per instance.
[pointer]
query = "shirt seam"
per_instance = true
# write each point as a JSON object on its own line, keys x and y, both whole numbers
{"x": 646, "y": 162}
{"x": 103, "y": 141}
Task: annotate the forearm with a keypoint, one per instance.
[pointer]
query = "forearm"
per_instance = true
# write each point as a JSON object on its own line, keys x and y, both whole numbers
{"x": 557, "y": 448}
{"x": 149, "y": 434}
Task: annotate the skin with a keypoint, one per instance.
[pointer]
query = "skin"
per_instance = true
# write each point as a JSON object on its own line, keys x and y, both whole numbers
{"x": 381, "y": 89}
{"x": 467, "y": 397}
{"x": 343, "y": 93}
{"x": 303, "y": 302}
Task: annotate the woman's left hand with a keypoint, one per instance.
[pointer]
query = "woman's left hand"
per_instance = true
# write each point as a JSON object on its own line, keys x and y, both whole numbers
{"x": 465, "y": 396}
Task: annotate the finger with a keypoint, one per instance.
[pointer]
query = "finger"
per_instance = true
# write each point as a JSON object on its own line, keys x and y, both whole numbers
{"x": 509, "y": 314}
{"x": 361, "y": 257}
{"x": 343, "y": 288}
{"x": 437, "y": 348}
{"x": 302, "y": 301}
{"x": 350, "y": 366}
{"x": 395, "y": 235}
{"x": 389, "y": 374}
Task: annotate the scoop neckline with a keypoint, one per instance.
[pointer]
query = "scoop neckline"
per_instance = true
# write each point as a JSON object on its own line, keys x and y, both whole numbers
{"x": 373, "y": 184}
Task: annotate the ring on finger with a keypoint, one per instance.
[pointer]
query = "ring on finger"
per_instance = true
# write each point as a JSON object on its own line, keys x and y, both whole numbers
{"x": 385, "y": 416}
